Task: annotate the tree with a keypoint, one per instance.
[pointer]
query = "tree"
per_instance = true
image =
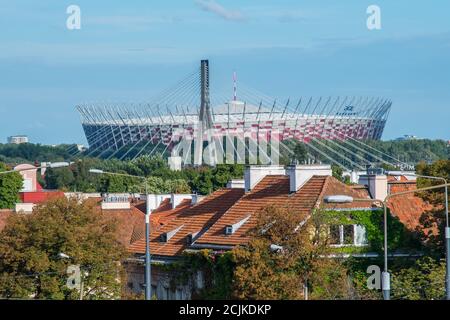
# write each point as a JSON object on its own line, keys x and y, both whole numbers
{"x": 300, "y": 152}
{"x": 61, "y": 178}
{"x": 423, "y": 281}
{"x": 203, "y": 183}
{"x": 433, "y": 219}
{"x": 177, "y": 186}
{"x": 10, "y": 186}
{"x": 262, "y": 273}
{"x": 337, "y": 172}
{"x": 30, "y": 266}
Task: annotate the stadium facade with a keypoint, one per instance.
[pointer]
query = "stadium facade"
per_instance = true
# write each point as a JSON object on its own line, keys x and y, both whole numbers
{"x": 339, "y": 118}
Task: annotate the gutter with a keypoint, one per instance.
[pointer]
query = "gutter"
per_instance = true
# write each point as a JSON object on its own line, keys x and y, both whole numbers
{"x": 211, "y": 246}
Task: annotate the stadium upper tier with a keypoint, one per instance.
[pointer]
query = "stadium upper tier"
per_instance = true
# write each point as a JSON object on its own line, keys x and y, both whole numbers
{"x": 191, "y": 109}
{"x": 116, "y": 126}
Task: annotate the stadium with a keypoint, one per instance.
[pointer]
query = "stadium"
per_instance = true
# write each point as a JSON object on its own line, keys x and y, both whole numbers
{"x": 189, "y": 108}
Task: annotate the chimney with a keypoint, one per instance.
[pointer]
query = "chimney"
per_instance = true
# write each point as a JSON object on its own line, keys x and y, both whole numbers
{"x": 377, "y": 184}
{"x": 300, "y": 174}
{"x": 155, "y": 200}
{"x": 175, "y": 199}
{"x": 354, "y": 176}
{"x": 236, "y": 184}
{"x": 254, "y": 174}
{"x": 196, "y": 198}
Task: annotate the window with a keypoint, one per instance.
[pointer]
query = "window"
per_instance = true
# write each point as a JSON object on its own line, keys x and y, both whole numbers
{"x": 348, "y": 235}
{"x": 360, "y": 236}
{"x": 335, "y": 234}
{"x": 179, "y": 294}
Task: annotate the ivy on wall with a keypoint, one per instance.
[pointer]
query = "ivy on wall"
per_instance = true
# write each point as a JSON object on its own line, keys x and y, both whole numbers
{"x": 399, "y": 237}
{"x": 217, "y": 270}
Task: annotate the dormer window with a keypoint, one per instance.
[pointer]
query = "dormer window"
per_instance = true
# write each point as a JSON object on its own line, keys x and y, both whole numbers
{"x": 231, "y": 229}
{"x": 166, "y": 236}
{"x": 192, "y": 237}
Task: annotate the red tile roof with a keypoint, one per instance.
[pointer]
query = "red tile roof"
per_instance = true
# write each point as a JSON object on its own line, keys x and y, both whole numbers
{"x": 188, "y": 219}
{"x": 409, "y": 207}
{"x": 274, "y": 190}
{"x": 269, "y": 191}
{"x": 229, "y": 206}
{"x": 336, "y": 187}
{"x": 130, "y": 222}
{"x": 164, "y": 213}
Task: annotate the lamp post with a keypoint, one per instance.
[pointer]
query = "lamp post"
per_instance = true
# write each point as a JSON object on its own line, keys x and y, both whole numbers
{"x": 53, "y": 165}
{"x": 148, "y": 287}
{"x": 339, "y": 199}
{"x": 447, "y": 229}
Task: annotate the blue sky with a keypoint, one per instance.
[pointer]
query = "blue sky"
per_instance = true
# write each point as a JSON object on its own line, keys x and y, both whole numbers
{"x": 131, "y": 50}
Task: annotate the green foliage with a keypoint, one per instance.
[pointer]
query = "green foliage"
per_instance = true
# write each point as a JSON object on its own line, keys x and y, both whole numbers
{"x": 160, "y": 178}
{"x": 28, "y": 152}
{"x": 217, "y": 269}
{"x": 338, "y": 174}
{"x": 414, "y": 151}
{"x": 398, "y": 236}
{"x": 10, "y": 185}
{"x": 30, "y": 266}
{"x": 61, "y": 178}
{"x": 435, "y": 218}
{"x": 440, "y": 168}
{"x": 263, "y": 273}
{"x": 300, "y": 153}
{"x": 423, "y": 281}
{"x": 408, "y": 151}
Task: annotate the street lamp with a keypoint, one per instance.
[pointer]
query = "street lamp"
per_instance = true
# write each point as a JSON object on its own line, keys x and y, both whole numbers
{"x": 148, "y": 287}
{"x": 53, "y": 165}
{"x": 347, "y": 199}
{"x": 447, "y": 228}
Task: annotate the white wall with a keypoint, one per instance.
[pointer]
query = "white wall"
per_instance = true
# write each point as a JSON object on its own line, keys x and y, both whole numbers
{"x": 300, "y": 174}
{"x": 254, "y": 174}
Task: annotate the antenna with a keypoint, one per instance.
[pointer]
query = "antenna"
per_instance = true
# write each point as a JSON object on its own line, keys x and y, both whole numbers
{"x": 234, "y": 86}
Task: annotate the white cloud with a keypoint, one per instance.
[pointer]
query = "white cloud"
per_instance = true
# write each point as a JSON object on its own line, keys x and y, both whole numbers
{"x": 216, "y": 8}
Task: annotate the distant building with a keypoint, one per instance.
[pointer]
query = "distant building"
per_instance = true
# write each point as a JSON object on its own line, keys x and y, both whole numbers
{"x": 32, "y": 192}
{"x": 81, "y": 147}
{"x": 18, "y": 139}
{"x": 407, "y": 137}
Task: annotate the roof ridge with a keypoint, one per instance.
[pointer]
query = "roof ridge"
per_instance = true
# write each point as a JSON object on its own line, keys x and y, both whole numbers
{"x": 322, "y": 192}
